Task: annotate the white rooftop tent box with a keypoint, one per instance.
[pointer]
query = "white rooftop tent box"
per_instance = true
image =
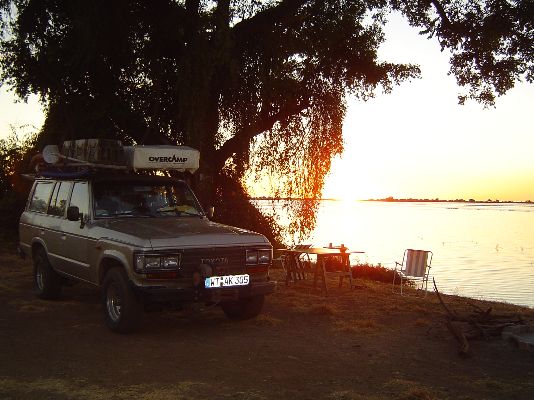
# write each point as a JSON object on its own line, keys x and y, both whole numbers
{"x": 180, "y": 158}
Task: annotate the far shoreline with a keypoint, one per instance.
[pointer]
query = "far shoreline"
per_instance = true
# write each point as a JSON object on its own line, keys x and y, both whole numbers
{"x": 394, "y": 200}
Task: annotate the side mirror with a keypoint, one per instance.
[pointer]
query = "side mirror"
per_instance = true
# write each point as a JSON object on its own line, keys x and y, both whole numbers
{"x": 73, "y": 213}
{"x": 211, "y": 212}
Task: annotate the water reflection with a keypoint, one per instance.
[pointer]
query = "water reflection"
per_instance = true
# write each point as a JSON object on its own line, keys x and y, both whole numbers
{"x": 480, "y": 250}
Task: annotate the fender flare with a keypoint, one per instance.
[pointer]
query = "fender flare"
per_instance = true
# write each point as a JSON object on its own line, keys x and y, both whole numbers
{"x": 108, "y": 259}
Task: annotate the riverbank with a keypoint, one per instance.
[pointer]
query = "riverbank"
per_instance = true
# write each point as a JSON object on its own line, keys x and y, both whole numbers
{"x": 361, "y": 344}
{"x": 482, "y": 251}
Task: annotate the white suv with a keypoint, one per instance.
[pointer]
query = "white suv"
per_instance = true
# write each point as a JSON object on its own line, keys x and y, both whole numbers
{"x": 143, "y": 240}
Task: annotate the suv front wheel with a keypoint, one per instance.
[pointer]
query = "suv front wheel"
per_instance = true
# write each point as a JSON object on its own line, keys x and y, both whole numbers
{"x": 122, "y": 310}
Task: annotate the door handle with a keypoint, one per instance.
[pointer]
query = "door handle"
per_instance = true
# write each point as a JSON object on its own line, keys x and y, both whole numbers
{"x": 63, "y": 237}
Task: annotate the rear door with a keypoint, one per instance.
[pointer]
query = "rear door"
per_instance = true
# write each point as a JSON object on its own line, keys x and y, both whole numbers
{"x": 55, "y": 220}
{"x": 74, "y": 234}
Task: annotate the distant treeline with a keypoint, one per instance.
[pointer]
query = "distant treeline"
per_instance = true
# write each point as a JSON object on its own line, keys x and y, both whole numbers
{"x": 410, "y": 200}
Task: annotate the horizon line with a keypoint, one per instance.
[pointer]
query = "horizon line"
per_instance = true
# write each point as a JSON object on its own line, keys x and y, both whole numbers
{"x": 402, "y": 200}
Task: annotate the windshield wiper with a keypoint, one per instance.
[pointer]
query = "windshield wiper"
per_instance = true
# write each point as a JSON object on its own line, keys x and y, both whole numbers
{"x": 132, "y": 214}
{"x": 177, "y": 211}
{"x": 189, "y": 213}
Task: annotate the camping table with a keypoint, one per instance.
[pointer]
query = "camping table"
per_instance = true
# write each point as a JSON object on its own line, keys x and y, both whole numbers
{"x": 295, "y": 269}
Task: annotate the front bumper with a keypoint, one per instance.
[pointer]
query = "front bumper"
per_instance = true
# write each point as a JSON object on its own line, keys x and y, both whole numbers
{"x": 157, "y": 294}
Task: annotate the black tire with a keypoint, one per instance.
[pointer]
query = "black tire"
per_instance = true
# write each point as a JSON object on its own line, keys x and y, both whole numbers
{"x": 243, "y": 309}
{"x": 46, "y": 281}
{"x": 122, "y": 309}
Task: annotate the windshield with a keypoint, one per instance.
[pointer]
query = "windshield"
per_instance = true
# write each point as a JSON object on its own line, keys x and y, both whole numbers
{"x": 140, "y": 199}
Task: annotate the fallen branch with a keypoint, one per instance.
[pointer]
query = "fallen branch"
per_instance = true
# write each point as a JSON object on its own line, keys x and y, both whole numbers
{"x": 480, "y": 324}
{"x": 441, "y": 300}
{"x": 464, "y": 348}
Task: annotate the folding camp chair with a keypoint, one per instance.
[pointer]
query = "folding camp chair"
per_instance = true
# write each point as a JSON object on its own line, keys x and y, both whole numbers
{"x": 415, "y": 266}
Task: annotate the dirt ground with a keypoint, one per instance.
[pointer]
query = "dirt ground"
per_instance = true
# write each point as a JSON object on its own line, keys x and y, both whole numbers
{"x": 361, "y": 344}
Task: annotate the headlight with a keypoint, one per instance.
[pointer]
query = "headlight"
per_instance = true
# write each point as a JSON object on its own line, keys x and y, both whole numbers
{"x": 149, "y": 262}
{"x": 264, "y": 256}
{"x": 252, "y": 257}
{"x": 152, "y": 262}
{"x": 170, "y": 262}
{"x": 258, "y": 256}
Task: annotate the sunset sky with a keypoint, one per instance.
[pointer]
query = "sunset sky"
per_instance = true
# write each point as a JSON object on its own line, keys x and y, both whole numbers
{"x": 418, "y": 142}
{"x": 415, "y": 142}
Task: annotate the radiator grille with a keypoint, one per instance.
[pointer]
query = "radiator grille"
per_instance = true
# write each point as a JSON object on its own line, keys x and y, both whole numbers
{"x": 224, "y": 260}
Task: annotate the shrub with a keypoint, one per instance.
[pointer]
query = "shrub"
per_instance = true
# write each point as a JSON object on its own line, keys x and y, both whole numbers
{"x": 14, "y": 159}
{"x": 374, "y": 273}
{"x": 11, "y": 206}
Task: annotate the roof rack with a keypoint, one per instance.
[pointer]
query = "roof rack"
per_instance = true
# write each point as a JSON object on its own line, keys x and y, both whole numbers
{"x": 78, "y": 158}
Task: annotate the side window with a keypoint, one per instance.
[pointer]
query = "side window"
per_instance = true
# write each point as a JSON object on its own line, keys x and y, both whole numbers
{"x": 41, "y": 196}
{"x": 60, "y": 196}
{"x": 80, "y": 197}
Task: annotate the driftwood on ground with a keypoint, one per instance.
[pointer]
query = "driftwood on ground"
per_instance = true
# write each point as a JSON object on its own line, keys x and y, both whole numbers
{"x": 475, "y": 325}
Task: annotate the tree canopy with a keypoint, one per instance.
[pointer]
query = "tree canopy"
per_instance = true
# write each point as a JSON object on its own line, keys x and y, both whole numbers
{"x": 253, "y": 84}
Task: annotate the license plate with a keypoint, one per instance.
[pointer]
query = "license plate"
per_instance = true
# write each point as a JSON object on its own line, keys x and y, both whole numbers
{"x": 226, "y": 281}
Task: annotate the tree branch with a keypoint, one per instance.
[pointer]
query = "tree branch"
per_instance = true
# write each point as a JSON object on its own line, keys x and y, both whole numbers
{"x": 284, "y": 11}
{"x": 241, "y": 140}
{"x": 222, "y": 15}
{"x": 442, "y": 14}
{"x": 192, "y": 10}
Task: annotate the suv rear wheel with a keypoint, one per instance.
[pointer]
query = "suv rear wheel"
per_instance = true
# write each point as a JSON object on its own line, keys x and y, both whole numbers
{"x": 122, "y": 310}
{"x": 46, "y": 281}
{"x": 244, "y": 309}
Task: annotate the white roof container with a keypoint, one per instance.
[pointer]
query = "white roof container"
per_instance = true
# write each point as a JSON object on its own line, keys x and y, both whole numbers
{"x": 179, "y": 158}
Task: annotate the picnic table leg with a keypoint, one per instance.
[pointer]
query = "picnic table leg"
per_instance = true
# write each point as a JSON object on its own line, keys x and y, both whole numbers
{"x": 298, "y": 267}
{"x": 346, "y": 269}
{"x": 287, "y": 268}
{"x": 320, "y": 259}
{"x": 316, "y": 272}
{"x": 351, "y": 279}
{"x": 290, "y": 270}
{"x": 341, "y": 275}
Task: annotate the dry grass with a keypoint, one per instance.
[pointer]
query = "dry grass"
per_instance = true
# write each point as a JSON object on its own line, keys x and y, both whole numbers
{"x": 38, "y": 305}
{"x": 362, "y": 320}
{"x": 422, "y": 322}
{"x": 504, "y": 388}
{"x": 395, "y": 308}
{"x": 7, "y": 287}
{"x": 13, "y": 270}
{"x": 30, "y": 306}
{"x": 410, "y": 390}
{"x": 417, "y": 394}
{"x": 324, "y": 309}
{"x": 357, "y": 326}
{"x": 57, "y": 388}
{"x": 419, "y": 309}
{"x": 266, "y": 319}
{"x": 351, "y": 395}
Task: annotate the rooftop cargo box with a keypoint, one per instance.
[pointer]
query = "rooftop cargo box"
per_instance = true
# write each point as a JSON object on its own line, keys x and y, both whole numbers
{"x": 179, "y": 158}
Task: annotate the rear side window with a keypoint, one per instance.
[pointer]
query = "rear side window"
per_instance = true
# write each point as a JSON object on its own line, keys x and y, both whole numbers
{"x": 80, "y": 197}
{"x": 60, "y": 196}
{"x": 41, "y": 196}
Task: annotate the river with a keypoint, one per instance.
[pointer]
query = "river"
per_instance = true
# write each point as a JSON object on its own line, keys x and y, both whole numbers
{"x": 480, "y": 250}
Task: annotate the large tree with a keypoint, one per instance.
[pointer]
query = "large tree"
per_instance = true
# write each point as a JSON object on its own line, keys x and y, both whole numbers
{"x": 253, "y": 83}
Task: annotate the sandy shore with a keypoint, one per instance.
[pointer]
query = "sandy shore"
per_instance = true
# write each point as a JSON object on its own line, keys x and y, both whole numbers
{"x": 361, "y": 344}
